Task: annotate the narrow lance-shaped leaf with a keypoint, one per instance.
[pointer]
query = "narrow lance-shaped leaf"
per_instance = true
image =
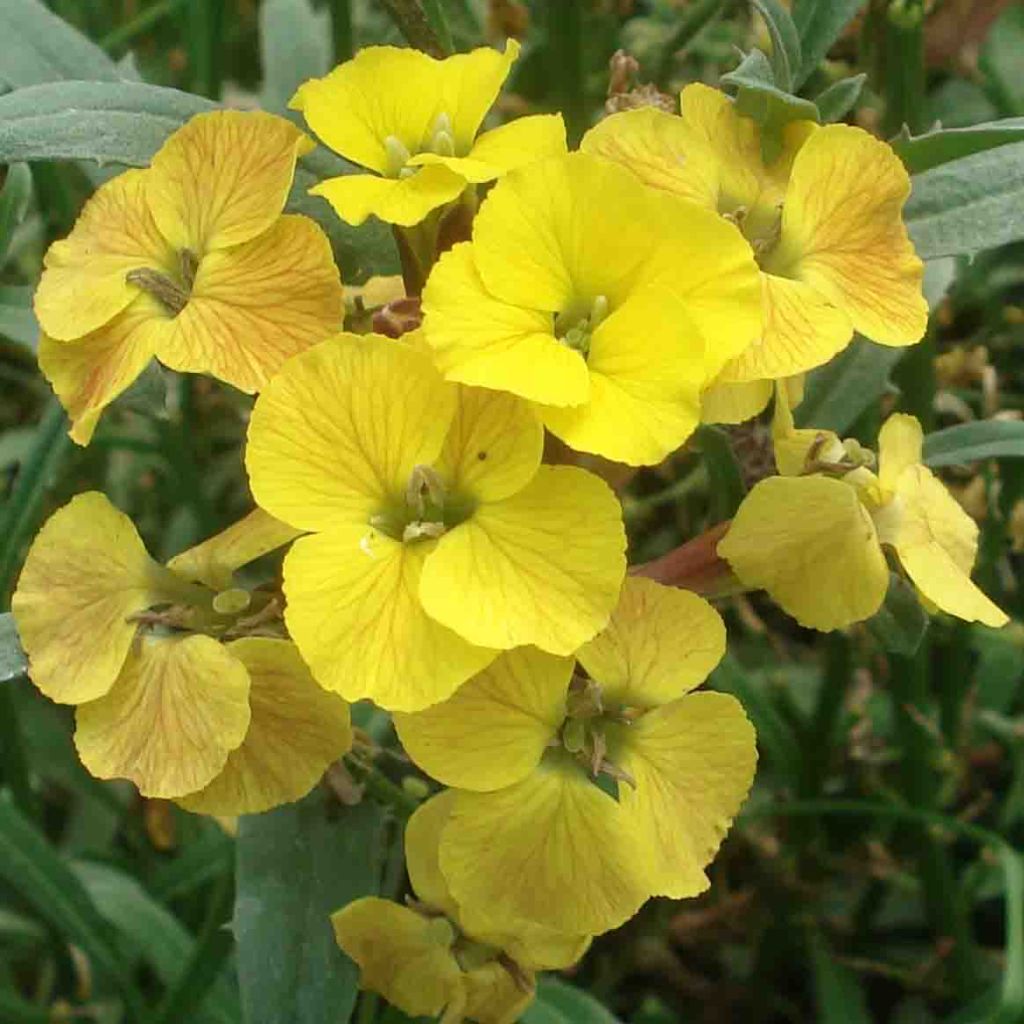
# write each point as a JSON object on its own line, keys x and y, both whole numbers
{"x": 819, "y": 24}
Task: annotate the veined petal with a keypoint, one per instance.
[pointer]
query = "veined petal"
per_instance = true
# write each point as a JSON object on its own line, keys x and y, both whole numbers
{"x": 553, "y": 849}
{"x": 215, "y": 560}
{"x": 223, "y": 178}
{"x": 296, "y": 730}
{"x": 791, "y": 445}
{"x": 178, "y": 708}
{"x": 843, "y": 233}
{"x": 257, "y": 304}
{"x": 404, "y": 201}
{"x": 811, "y": 544}
{"x": 479, "y": 339}
{"x": 734, "y": 403}
{"x": 86, "y": 572}
{"x": 693, "y": 763}
{"x": 494, "y": 996}
{"x": 900, "y": 445}
{"x": 354, "y": 613}
{"x": 661, "y": 642}
{"x": 470, "y": 83}
{"x": 542, "y": 567}
{"x": 339, "y": 430}
{"x": 495, "y": 728}
{"x": 84, "y": 284}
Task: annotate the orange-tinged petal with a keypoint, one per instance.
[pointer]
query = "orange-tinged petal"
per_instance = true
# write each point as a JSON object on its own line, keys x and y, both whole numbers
{"x": 494, "y": 729}
{"x": 223, "y": 178}
{"x": 900, "y": 445}
{"x": 86, "y": 572}
{"x": 296, "y": 730}
{"x": 178, "y": 708}
{"x": 354, "y": 613}
{"x": 257, "y": 304}
{"x": 660, "y": 643}
{"x": 404, "y": 201}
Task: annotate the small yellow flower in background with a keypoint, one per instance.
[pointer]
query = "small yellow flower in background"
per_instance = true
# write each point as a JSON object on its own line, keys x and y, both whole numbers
{"x": 531, "y": 834}
{"x": 607, "y": 304}
{"x": 413, "y": 120}
{"x": 825, "y": 220}
{"x": 815, "y": 539}
{"x": 437, "y": 537}
{"x": 427, "y": 959}
{"x": 236, "y": 727}
{"x": 190, "y": 261}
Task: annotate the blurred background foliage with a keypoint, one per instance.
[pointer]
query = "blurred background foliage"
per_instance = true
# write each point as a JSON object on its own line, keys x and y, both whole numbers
{"x": 872, "y": 875}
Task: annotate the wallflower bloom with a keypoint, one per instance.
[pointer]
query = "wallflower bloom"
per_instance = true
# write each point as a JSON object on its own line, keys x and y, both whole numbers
{"x": 427, "y": 959}
{"x": 192, "y": 262}
{"x": 824, "y": 220}
{"x": 815, "y": 538}
{"x": 235, "y": 727}
{"x": 413, "y": 121}
{"x": 531, "y": 835}
{"x": 607, "y": 304}
{"x": 437, "y": 538}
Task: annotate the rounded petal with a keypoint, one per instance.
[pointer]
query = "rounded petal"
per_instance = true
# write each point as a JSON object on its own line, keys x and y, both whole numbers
{"x": 295, "y": 732}
{"x": 843, "y": 233}
{"x": 553, "y": 849}
{"x": 257, "y": 304}
{"x": 479, "y": 339}
{"x": 543, "y": 567}
{"x": 404, "y": 201}
{"x": 900, "y": 445}
{"x": 810, "y": 543}
{"x": 86, "y": 572}
{"x": 495, "y": 728}
{"x": 84, "y": 284}
{"x": 422, "y": 840}
{"x": 177, "y": 710}
{"x": 354, "y": 613}
{"x": 693, "y": 763}
{"x": 337, "y": 433}
{"x": 223, "y": 178}
{"x": 495, "y": 996}
{"x": 661, "y": 642}
{"x": 470, "y": 83}
{"x": 734, "y": 403}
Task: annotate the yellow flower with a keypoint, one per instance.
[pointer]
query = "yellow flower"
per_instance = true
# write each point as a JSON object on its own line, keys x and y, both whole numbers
{"x": 162, "y": 697}
{"x": 815, "y": 539}
{"x": 427, "y": 959}
{"x": 413, "y": 121}
{"x": 607, "y": 304}
{"x": 192, "y": 262}
{"x": 824, "y": 220}
{"x": 533, "y": 832}
{"x": 436, "y": 537}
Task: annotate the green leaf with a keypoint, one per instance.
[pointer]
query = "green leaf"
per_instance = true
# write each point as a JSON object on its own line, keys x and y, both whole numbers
{"x": 17, "y": 318}
{"x": 296, "y": 865}
{"x": 1001, "y": 61}
{"x": 558, "y": 1002}
{"x": 901, "y": 623}
{"x": 13, "y": 662}
{"x": 967, "y": 442}
{"x": 838, "y": 993}
{"x": 835, "y": 102}
{"x": 785, "y": 39}
{"x": 295, "y": 44}
{"x": 727, "y": 487}
{"x": 14, "y": 200}
{"x": 921, "y": 153}
{"x": 40, "y": 47}
{"x": 969, "y": 204}
{"x": 819, "y": 24}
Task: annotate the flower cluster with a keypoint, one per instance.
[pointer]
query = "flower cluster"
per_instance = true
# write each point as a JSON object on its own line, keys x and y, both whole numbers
{"x": 444, "y": 561}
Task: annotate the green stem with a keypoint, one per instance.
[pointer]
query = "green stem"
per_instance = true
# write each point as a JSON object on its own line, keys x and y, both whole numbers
{"x": 413, "y": 23}
{"x": 915, "y": 377}
{"x": 697, "y": 17}
{"x": 903, "y": 55}
{"x": 179, "y": 449}
{"x": 124, "y": 34}
{"x": 204, "y": 21}
{"x": 824, "y": 723}
{"x": 566, "y": 68}
{"x": 384, "y": 791}
{"x": 341, "y": 30}
{"x": 13, "y": 763}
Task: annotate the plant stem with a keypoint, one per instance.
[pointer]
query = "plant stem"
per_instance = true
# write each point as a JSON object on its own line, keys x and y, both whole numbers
{"x": 566, "y": 72}
{"x": 413, "y": 23}
{"x": 341, "y": 30}
{"x": 146, "y": 19}
{"x": 903, "y": 56}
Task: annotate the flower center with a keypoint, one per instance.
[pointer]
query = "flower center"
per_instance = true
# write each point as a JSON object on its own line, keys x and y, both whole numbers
{"x": 575, "y": 325}
{"x": 585, "y": 731}
{"x": 172, "y": 293}
{"x": 440, "y": 140}
{"x": 427, "y": 510}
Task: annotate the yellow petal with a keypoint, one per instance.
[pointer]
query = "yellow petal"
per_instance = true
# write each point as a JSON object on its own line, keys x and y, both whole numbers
{"x": 646, "y": 367}
{"x": 495, "y": 728}
{"x": 296, "y": 730}
{"x": 398, "y": 955}
{"x": 404, "y": 201}
{"x": 494, "y": 996}
{"x": 660, "y": 643}
{"x": 792, "y": 446}
{"x": 223, "y": 178}
{"x": 89, "y": 373}
{"x": 479, "y": 339}
{"x": 354, "y": 613}
{"x": 422, "y": 839}
{"x": 734, "y": 403}
{"x": 553, "y": 849}
{"x": 257, "y": 304}
{"x": 693, "y": 763}
{"x": 86, "y": 572}
{"x": 900, "y": 445}
{"x": 177, "y": 710}
{"x": 542, "y": 567}
{"x": 843, "y": 234}
{"x": 937, "y": 541}
{"x": 493, "y": 447}
{"x": 379, "y": 290}
{"x": 84, "y": 282}
{"x": 337, "y": 433}
{"x": 470, "y": 83}
{"x": 810, "y": 543}
{"x": 214, "y": 561}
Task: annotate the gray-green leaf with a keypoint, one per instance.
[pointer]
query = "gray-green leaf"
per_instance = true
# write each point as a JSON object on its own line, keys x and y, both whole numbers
{"x": 819, "y": 24}
{"x": 294, "y": 45}
{"x": 13, "y": 663}
{"x": 968, "y": 442}
{"x": 921, "y": 153}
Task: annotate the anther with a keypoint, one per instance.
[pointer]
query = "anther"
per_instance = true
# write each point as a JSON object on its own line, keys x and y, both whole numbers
{"x": 398, "y": 155}
{"x": 169, "y": 294}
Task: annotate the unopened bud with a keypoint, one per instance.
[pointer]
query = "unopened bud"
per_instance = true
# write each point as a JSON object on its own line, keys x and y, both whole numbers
{"x": 231, "y": 602}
